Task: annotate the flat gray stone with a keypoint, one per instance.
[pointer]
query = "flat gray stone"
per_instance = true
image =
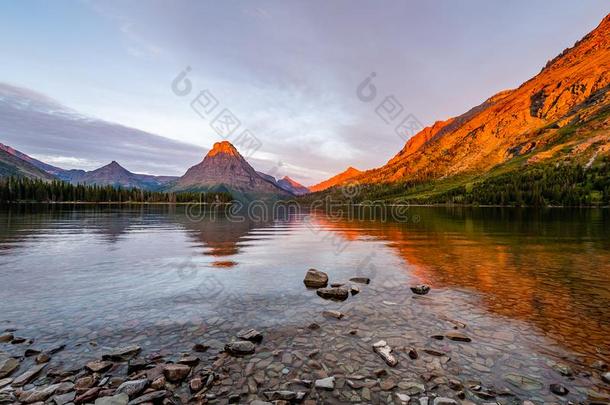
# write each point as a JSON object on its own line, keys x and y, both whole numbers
{"x": 122, "y": 353}
{"x": 132, "y": 388}
{"x": 28, "y": 376}
{"x": 7, "y": 366}
{"x": 150, "y": 397}
{"x": 327, "y": 383}
{"x": 120, "y": 399}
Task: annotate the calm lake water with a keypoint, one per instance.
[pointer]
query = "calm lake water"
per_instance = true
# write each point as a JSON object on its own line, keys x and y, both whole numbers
{"x": 530, "y": 287}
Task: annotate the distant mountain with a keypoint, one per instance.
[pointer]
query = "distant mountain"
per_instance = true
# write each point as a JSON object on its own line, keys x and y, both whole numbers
{"x": 340, "y": 178}
{"x": 223, "y": 168}
{"x": 268, "y": 177}
{"x": 292, "y": 186}
{"x": 41, "y": 165}
{"x": 113, "y": 174}
{"x": 12, "y": 165}
{"x": 559, "y": 115}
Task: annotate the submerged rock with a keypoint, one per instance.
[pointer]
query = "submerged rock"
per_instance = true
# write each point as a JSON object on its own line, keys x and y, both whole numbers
{"x": 559, "y": 389}
{"x": 333, "y": 293}
{"x": 333, "y": 314}
{"x": 250, "y": 334}
{"x": 38, "y": 394}
{"x": 122, "y": 353}
{"x": 360, "y": 280}
{"x": 422, "y": 289}
{"x": 457, "y": 336}
{"x": 385, "y": 351}
{"x": 239, "y": 348}
{"x": 606, "y": 377}
{"x": 200, "y": 347}
{"x": 28, "y": 376}
{"x": 315, "y": 279}
{"x": 7, "y": 366}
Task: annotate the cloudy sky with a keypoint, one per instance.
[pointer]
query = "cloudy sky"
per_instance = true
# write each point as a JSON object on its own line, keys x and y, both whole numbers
{"x": 287, "y": 70}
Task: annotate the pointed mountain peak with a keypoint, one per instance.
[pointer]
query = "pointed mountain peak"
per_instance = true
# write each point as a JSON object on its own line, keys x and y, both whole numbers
{"x": 352, "y": 169}
{"x": 224, "y": 147}
{"x": 114, "y": 165}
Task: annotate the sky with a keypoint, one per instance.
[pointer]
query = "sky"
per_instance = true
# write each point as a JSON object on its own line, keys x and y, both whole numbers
{"x": 288, "y": 71}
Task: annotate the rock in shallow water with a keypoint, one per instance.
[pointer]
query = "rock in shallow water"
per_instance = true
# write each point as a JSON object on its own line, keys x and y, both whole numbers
{"x": 422, "y": 289}
{"x": 332, "y": 314}
{"x": 360, "y": 280}
{"x": 122, "y": 353}
{"x": 315, "y": 279}
{"x": 240, "y": 348}
{"x": 457, "y": 337}
{"x": 333, "y": 293}
{"x": 385, "y": 351}
{"x": 250, "y": 334}
{"x": 559, "y": 389}
{"x": 28, "y": 376}
{"x": 7, "y": 366}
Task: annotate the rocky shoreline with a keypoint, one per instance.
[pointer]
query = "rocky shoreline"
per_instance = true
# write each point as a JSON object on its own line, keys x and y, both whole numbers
{"x": 340, "y": 357}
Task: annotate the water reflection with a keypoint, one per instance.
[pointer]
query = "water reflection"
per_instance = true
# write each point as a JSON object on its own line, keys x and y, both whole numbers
{"x": 551, "y": 268}
{"x": 548, "y": 268}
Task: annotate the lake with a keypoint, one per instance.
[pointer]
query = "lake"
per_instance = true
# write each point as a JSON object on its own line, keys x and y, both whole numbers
{"x": 529, "y": 288}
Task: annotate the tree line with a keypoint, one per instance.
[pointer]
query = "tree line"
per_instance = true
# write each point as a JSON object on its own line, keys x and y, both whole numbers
{"x": 537, "y": 186}
{"x": 22, "y": 189}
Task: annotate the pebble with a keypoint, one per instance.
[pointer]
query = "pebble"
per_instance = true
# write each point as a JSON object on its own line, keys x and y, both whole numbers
{"x": 98, "y": 366}
{"x": 150, "y": 397}
{"x": 385, "y": 351}
{"x": 132, "y": 388}
{"x": 120, "y": 399}
{"x": 444, "y": 401}
{"x": 333, "y": 314}
{"x": 176, "y": 372}
{"x": 422, "y": 289}
{"x": 250, "y": 334}
{"x": 333, "y": 293}
{"x": 239, "y": 348}
{"x": 327, "y": 383}
{"x": 122, "y": 353}
{"x": 559, "y": 389}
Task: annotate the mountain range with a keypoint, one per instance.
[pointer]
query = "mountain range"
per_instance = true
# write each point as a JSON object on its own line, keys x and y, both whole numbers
{"x": 560, "y": 115}
{"x": 222, "y": 169}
